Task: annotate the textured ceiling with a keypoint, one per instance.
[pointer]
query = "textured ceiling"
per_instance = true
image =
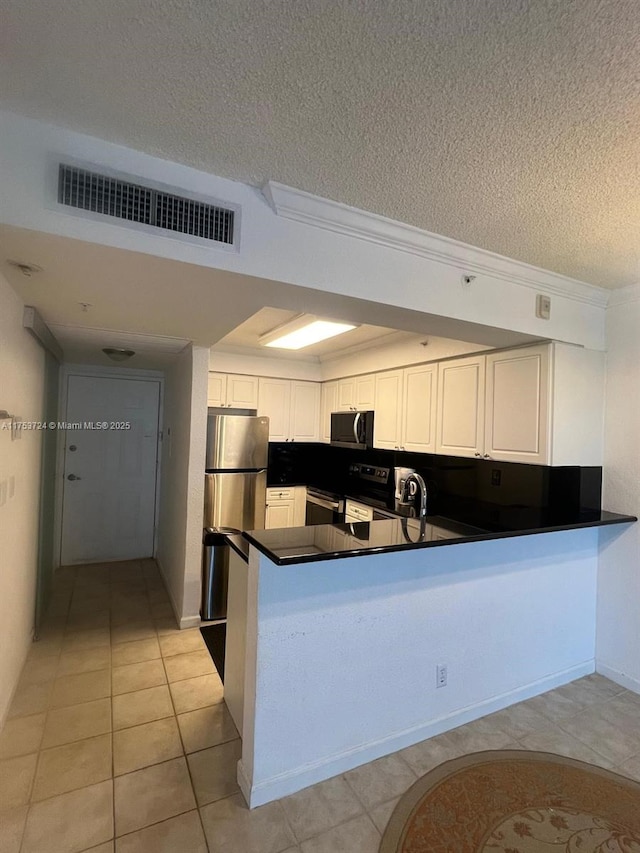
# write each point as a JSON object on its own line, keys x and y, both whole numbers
{"x": 513, "y": 125}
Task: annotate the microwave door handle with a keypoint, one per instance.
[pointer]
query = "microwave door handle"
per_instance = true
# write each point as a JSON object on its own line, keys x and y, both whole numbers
{"x": 356, "y": 423}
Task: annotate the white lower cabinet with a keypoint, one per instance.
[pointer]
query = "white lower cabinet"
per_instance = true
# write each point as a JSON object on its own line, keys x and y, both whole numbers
{"x": 285, "y": 506}
{"x": 355, "y": 511}
{"x": 278, "y": 514}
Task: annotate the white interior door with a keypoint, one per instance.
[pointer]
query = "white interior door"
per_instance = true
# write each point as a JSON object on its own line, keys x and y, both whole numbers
{"x": 108, "y": 509}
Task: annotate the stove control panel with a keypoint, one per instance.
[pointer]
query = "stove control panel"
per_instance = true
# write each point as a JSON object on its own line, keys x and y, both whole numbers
{"x": 369, "y": 472}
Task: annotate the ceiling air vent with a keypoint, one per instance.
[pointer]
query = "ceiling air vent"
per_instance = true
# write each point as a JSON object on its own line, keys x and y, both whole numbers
{"x": 110, "y": 196}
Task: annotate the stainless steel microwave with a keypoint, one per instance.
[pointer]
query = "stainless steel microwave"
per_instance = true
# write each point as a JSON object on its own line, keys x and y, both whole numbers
{"x": 352, "y": 429}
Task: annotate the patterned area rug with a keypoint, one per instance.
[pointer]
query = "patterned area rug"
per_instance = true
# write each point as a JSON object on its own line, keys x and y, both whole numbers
{"x": 516, "y": 802}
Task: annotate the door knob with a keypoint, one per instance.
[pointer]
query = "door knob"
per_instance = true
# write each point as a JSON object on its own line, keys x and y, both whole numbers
{"x": 73, "y": 477}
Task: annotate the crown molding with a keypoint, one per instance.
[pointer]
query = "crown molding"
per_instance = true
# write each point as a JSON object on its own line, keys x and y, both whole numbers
{"x": 624, "y": 295}
{"x": 309, "y": 209}
{"x": 262, "y": 352}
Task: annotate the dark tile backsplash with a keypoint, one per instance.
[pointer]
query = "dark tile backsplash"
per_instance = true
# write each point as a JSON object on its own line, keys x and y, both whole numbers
{"x": 484, "y": 493}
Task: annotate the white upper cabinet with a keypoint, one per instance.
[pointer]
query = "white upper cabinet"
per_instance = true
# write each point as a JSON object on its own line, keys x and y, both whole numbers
{"x": 405, "y": 409}
{"x": 217, "y": 389}
{"x": 274, "y": 402}
{"x": 419, "y": 408}
{"x": 387, "y": 421}
{"x": 356, "y": 393}
{"x": 305, "y": 411}
{"x": 365, "y": 392}
{"x": 293, "y": 409}
{"x": 517, "y": 405}
{"x": 328, "y": 404}
{"x": 346, "y": 395}
{"x": 231, "y": 390}
{"x": 460, "y": 408}
{"x": 577, "y": 403}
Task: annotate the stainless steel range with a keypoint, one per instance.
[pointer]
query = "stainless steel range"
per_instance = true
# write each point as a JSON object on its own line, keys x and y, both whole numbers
{"x": 370, "y": 484}
{"x": 323, "y": 507}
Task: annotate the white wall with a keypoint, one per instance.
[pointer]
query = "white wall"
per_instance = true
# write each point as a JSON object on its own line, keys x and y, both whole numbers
{"x": 394, "y": 350}
{"x": 182, "y": 481}
{"x": 347, "y": 649}
{"x": 22, "y": 394}
{"x": 275, "y": 248}
{"x": 263, "y": 365}
{"x": 618, "y": 651}
{"x": 394, "y": 353}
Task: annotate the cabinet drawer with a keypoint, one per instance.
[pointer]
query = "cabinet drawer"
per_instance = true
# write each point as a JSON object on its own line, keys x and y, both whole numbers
{"x": 358, "y": 511}
{"x": 275, "y": 494}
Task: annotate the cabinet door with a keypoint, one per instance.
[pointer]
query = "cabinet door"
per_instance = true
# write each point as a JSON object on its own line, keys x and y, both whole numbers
{"x": 346, "y": 395}
{"x": 299, "y": 506}
{"x": 279, "y": 514}
{"x": 217, "y": 389}
{"x": 460, "y": 418}
{"x": 274, "y": 402}
{"x": 419, "y": 408}
{"x": 365, "y": 398}
{"x": 242, "y": 391}
{"x": 387, "y": 420}
{"x": 305, "y": 411}
{"x": 516, "y": 419}
{"x": 328, "y": 404}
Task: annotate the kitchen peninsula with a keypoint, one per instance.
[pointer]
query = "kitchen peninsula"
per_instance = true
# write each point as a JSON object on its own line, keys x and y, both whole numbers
{"x": 341, "y": 654}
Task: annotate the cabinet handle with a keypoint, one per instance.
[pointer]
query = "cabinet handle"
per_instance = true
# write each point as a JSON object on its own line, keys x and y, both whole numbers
{"x": 486, "y": 456}
{"x": 479, "y": 455}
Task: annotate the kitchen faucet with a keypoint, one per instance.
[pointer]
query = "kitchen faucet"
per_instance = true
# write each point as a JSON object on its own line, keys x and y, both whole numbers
{"x": 417, "y": 482}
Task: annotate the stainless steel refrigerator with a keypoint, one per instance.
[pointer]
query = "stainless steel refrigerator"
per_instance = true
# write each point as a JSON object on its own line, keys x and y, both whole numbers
{"x": 234, "y": 497}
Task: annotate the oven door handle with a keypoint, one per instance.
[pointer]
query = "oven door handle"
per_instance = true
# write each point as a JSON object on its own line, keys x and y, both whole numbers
{"x": 325, "y": 504}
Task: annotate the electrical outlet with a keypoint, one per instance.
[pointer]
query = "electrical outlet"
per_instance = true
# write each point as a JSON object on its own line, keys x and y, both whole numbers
{"x": 441, "y": 675}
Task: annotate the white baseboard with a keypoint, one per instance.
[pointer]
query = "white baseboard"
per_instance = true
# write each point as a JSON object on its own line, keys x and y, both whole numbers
{"x": 619, "y": 677}
{"x": 183, "y": 621}
{"x": 244, "y": 783}
{"x": 301, "y": 777}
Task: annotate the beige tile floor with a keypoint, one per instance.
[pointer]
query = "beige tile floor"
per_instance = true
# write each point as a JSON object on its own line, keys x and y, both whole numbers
{"x": 119, "y": 741}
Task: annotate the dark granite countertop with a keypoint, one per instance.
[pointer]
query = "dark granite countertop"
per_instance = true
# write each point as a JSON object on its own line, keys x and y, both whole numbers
{"x": 239, "y": 544}
{"x": 332, "y": 541}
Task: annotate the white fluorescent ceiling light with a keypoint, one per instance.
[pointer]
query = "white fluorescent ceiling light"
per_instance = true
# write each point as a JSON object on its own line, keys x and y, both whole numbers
{"x": 303, "y": 331}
